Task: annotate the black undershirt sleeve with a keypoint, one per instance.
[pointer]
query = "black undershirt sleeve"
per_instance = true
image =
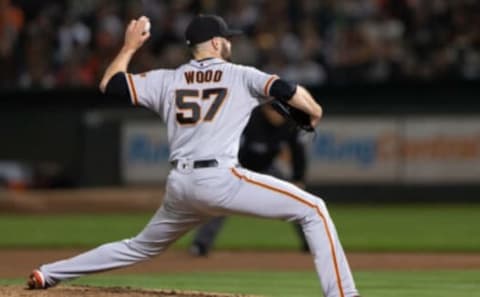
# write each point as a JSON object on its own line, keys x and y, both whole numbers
{"x": 118, "y": 87}
{"x": 282, "y": 90}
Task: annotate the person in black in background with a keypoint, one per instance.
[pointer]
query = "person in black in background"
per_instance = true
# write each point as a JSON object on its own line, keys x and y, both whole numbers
{"x": 262, "y": 142}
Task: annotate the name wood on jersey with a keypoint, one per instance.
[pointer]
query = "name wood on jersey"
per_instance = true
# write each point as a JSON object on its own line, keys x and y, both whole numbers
{"x": 203, "y": 76}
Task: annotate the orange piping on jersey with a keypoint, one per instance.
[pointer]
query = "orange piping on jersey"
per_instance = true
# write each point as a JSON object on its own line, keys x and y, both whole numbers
{"x": 132, "y": 88}
{"x": 327, "y": 230}
{"x": 266, "y": 89}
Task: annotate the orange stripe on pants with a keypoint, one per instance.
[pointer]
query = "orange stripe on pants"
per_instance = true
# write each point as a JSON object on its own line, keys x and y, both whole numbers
{"x": 311, "y": 205}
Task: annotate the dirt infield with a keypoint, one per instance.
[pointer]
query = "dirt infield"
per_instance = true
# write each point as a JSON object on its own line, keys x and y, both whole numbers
{"x": 18, "y": 263}
{"x": 95, "y": 200}
{"x": 83, "y": 291}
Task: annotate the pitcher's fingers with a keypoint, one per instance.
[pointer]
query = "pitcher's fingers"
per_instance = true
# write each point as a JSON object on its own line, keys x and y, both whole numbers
{"x": 143, "y": 18}
{"x": 314, "y": 121}
{"x": 131, "y": 25}
{"x": 141, "y": 23}
{"x": 145, "y": 36}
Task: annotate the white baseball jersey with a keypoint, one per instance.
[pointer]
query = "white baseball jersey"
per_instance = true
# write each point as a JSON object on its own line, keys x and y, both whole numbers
{"x": 205, "y": 104}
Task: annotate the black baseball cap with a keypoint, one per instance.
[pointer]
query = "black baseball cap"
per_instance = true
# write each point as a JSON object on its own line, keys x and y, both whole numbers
{"x": 205, "y": 27}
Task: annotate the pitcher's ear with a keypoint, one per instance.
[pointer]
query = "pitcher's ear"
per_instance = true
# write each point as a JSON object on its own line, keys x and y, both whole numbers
{"x": 215, "y": 42}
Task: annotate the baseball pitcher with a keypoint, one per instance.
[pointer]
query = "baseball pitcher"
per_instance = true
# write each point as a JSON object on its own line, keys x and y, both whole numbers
{"x": 206, "y": 104}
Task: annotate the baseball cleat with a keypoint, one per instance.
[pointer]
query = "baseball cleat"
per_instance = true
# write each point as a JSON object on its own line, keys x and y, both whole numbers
{"x": 36, "y": 280}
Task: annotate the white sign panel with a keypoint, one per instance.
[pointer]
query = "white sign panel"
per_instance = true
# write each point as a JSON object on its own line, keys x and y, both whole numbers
{"x": 144, "y": 157}
{"x": 348, "y": 150}
{"x": 443, "y": 150}
{"x": 345, "y": 150}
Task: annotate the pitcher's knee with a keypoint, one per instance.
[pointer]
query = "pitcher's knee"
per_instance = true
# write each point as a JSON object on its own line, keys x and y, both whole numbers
{"x": 321, "y": 205}
{"x": 316, "y": 211}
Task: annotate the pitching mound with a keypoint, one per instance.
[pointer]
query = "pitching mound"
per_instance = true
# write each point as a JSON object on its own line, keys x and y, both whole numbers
{"x": 83, "y": 291}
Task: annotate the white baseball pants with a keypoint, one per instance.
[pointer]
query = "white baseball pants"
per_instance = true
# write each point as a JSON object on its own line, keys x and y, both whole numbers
{"x": 194, "y": 196}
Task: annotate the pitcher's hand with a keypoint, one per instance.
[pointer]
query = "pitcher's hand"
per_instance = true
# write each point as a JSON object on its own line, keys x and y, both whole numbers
{"x": 136, "y": 35}
{"x": 314, "y": 121}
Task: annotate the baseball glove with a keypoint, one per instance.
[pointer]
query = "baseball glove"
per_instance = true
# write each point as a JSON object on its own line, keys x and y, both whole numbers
{"x": 300, "y": 118}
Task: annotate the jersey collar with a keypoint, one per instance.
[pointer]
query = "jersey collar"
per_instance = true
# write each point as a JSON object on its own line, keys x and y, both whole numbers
{"x": 206, "y": 62}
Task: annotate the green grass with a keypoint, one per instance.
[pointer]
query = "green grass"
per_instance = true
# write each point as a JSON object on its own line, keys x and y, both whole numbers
{"x": 376, "y": 228}
{"x": 301, "y": 284}
{"x": 409, "y": 228}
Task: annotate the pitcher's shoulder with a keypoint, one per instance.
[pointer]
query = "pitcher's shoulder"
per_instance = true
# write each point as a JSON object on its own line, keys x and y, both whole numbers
{"x": 244, "y": 71}
{"x": 241, "y": 67}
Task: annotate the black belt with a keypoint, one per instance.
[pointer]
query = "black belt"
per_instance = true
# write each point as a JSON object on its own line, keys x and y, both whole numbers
{"x": 199, "y": 163}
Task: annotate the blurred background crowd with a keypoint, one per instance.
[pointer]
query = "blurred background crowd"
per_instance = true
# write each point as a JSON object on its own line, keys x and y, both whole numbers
{"x": 55, "y": 43}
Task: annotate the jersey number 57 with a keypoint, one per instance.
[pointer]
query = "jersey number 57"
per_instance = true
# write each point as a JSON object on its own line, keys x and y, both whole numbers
{"x": 190, "y": 112}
